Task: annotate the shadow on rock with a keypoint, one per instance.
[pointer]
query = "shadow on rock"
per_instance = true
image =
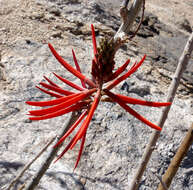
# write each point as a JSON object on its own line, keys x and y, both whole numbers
{"x": 77, "y": 179}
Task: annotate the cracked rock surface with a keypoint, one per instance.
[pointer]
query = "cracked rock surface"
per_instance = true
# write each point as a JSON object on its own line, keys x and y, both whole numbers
{"x": 115, "y": 140}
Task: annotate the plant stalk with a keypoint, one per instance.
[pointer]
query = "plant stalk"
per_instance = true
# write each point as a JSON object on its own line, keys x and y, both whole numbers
{"x": 175, "y": 163}
{"x": 183, "y": 62}
{"x": 44, "y": 167}
{"x": 128, "y": 18}
{"x": 30, "y": 163}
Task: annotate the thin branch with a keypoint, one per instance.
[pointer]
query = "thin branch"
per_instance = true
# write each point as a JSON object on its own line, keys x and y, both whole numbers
{"x": 44, "y": 167}
{"x": 30, "y": 163}
{"x": 162, "y": 183}
{"x": 22, "y": 187}
{"x": 140, "y": 22}
{"x": 175, "y": 163}
{"x": 160, "y": 179}
{"x": 128, "y": 18}
{"x": 183, "y": 62}
{"x": 125, "y": 3}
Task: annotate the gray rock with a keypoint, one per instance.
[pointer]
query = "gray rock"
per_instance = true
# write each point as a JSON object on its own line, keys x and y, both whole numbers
{"x": 185, "y": 25}
{"x": 115, "y": 140}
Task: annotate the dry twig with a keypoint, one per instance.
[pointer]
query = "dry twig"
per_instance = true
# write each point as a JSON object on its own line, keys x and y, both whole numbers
{"x": 140, "y": 22}
{"x": 162, "y": 183}
{"x": 183, "y": 61}
{"x": 128, "y": 17}
{"x": 125, "y": 3}
{"x": 30, "y": 163}
{"x": 175, "y": 163}
{"x": 43, "y": 168}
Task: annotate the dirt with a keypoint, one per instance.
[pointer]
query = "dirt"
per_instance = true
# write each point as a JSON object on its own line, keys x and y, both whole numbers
{"x": 172, "y": 11}
{"x": 29, "y": 19}
{"x": 35, "y": 21}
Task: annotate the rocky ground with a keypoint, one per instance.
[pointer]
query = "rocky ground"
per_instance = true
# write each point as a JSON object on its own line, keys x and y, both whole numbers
{"x": 115, "y": 140}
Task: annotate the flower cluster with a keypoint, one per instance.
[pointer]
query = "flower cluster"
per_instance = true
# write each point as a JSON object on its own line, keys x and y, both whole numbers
{"x": 88, "y": 95}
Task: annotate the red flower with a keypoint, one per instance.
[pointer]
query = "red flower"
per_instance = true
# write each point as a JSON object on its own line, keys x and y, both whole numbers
{"x": 88, "y": 96}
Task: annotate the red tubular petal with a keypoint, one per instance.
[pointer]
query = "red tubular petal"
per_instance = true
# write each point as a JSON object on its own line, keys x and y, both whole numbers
{"x": 71, "y": 128}
{"x": 56, "y": 89}
{"x": 69, "y": 83}
{"x": 59, "y": 112}
{"x": 78, "y": 68}
{"x": 65, "y": 150}
{"x": 130, "y": 100}
{"x": 68, "y": 147}
{"x": 62, "y": 105}
{"x": 52, "y": 83}
{"x": 76, "y": 62}
{"x": 120, "y": 79}
{"x": 52, "y": 102}
{"x": 80, "y": 151}
{"x": 131, "y": 111}
{"x": 134, "y": 65}
{"x": 50, "y": 93}
{"x": 70, "y": 68}
{"x": 86, "y": 122}
{"x": 120, "y": 70}
{"x": 94, "y": 40}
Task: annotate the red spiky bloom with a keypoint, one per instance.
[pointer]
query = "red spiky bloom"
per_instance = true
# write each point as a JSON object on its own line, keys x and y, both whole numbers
{"x": 90, "y": 93}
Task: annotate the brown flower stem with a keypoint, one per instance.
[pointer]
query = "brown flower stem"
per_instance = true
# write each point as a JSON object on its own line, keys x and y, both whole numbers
{"x": 183, "y": 61}
{"x": 175, "y": 163}
{"x": 44, "y": 167}
{"x": 30, "y": 163}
